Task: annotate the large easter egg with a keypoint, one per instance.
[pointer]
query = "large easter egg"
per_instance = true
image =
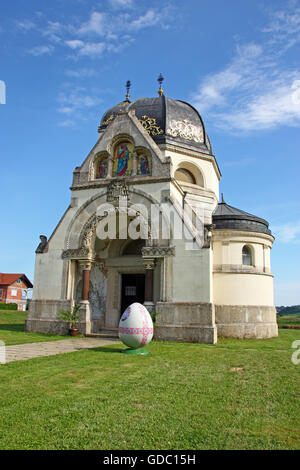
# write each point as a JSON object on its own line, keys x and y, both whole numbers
{"x": 136, "y": 327}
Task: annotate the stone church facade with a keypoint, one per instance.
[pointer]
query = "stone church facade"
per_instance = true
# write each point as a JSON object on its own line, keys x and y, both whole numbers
{"x": 214, "y": 280}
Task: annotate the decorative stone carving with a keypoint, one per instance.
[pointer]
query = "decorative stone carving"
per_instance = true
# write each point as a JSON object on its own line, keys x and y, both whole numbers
{"x": 117, "y": 190}
{"x": 43, "y": 243}
{"x": 77, "y": 253}
{"x": 158, "y": 251}
{"x": 186, "y": 130}
{"x": 89, "y": 231}
{"x": 149, "y": 263}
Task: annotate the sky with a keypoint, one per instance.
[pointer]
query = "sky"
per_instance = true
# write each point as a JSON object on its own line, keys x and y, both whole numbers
{"x": 64, "y": 63}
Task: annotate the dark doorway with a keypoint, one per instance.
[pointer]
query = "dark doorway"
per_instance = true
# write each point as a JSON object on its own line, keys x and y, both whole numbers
{"x": 133, "y": 290}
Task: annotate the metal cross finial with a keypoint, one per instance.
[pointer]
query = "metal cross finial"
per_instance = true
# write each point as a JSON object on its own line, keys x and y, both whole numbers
{"x": 160, "y": 80}
{"x": 128, "y": 85}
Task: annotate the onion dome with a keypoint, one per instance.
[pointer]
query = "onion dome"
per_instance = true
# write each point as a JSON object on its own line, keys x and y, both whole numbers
{"x": 166, "y": 120}
{"x": 228, "y": 217}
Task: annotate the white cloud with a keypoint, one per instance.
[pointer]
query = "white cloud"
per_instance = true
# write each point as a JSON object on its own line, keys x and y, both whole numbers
{"x": 96, "y": 24}
{"x": 150, "y": 18}
{"x": 40, "y": 50}
{"x": 67, "y": 123}
{"x": 81, "y": 73}
{"x": 287, "y": 233}
{"x": 116, "y": 28}
{"x": 75, "y": 43}
{"x": 75, "y": 100}
{"x": 91, "y": 49}
{"x": 284, "y": 27}
{"x": 254, "y": 91}
{"x": 53, "y": 31}
{"x": 25, "y": 25}
{"x": 121, "y": 3}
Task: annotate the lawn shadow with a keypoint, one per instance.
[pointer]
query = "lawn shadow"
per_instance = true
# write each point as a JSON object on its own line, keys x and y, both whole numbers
{"x": 107, "y": 349}
{"x": 12, "y": 327}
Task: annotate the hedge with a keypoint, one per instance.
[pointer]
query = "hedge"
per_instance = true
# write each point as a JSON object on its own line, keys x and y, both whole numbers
{"x": 4, "y": 306}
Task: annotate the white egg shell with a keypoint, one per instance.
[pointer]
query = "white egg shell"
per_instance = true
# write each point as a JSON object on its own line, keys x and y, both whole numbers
{"x": 136, "y": 326}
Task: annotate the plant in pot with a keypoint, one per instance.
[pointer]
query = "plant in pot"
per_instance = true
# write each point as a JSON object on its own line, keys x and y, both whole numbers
{"x": 72, "y": 316}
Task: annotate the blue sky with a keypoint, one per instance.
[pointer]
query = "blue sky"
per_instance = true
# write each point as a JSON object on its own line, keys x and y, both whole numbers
{"x": 65, "y": 62}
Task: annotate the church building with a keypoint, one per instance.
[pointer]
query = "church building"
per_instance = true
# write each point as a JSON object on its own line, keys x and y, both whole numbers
{"x": 145, "y": 225}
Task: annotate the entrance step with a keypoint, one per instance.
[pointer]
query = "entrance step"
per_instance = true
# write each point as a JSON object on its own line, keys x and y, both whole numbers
{"x": 104, "y": 333}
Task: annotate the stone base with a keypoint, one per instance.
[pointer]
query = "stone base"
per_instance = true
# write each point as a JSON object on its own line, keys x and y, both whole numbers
{"x": 42, "y": 317}
{"x": 246, "y": 321}
{"x": 185, "y": 321}
{"x": 186, "y": 333}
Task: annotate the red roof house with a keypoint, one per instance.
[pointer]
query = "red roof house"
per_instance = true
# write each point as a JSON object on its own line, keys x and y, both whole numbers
{"x": 14, "y": 289}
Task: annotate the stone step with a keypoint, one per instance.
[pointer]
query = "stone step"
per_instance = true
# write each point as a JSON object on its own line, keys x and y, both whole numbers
{"x": 104, "y": 333}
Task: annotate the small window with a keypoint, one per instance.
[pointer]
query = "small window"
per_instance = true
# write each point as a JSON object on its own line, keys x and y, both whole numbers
{"x": 19, "y": 281}
{"x": 13, "y": 292}
{"x": 24, "y": 294}
{"x": 1, "y": 293}
{"x": 247, "y": 256}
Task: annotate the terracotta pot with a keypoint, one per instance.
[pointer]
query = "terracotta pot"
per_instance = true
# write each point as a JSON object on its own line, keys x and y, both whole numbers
{"x": 73, "y": 332}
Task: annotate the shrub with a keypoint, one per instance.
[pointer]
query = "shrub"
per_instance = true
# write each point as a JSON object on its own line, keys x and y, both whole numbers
{"x": 4, "y": 306}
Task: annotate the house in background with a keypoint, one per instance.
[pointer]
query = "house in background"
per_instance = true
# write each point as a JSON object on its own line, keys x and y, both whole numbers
{"x": 14, "y": 289}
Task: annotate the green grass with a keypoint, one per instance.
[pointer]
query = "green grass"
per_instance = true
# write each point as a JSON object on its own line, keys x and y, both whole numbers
{"x": 289, "y": 320}
{"x": 12, "y": 325}
{"x": 180, "y": 396}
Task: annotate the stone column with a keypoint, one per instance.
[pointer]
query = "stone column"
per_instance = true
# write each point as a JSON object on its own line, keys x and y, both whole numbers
{"x": 110, "y": 167}
{"x": 134, "y": 164}
{"x": 149, "y": 265}
{"x": 85, "y": 324}
{"x": 85, "y": 284}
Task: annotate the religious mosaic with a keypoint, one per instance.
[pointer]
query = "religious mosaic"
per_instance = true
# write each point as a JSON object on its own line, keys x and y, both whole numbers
{"x": 123, "y": 159}
{"x": 143, "y": 165}
{"x": 102, "y": 169}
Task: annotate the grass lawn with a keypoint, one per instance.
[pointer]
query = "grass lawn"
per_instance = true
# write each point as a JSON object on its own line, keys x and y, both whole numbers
{"x": 289, "y": 320}
{"x": 238, "y": 394}
{"x": 12, "y": 331}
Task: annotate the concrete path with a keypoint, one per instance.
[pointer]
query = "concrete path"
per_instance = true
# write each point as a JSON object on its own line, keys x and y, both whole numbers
{"x": 22, "y": 352}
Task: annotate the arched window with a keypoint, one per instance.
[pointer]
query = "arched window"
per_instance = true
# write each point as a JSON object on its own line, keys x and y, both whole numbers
{"x": 184, "y": 175}
{"x": 247, "y": 256}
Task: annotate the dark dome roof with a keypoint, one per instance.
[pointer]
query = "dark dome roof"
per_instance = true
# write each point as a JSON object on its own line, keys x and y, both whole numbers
{"x": 166, "y": 120}
{"x": 109, "y": 115}
{"x": 228, "y": 217}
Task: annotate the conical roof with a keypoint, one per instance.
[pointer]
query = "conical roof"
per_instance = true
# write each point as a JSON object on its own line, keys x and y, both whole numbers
{"x": 229, "y": 217}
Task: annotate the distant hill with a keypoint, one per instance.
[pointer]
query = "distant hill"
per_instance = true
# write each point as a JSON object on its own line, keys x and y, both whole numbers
{"x": 293, "y": 310}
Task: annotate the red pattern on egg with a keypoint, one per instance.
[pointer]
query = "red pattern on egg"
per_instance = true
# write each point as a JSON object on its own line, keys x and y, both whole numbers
{"x": 145, "y": 331}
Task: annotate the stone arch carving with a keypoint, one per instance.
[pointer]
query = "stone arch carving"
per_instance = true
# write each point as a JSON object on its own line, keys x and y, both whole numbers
{"x": 116, "y": 140}
{"x": 83, "y": 220}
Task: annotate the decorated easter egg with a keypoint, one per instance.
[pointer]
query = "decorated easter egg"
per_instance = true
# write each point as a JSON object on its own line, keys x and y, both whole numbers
{"x": 136, "y": 327}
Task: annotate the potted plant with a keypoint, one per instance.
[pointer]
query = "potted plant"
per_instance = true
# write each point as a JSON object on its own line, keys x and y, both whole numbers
{"x": 72, "y": 316}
